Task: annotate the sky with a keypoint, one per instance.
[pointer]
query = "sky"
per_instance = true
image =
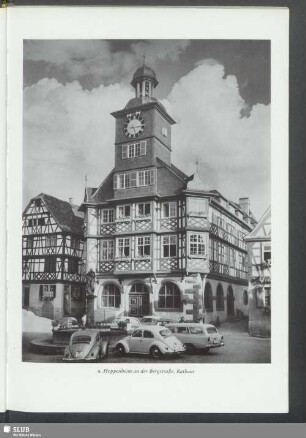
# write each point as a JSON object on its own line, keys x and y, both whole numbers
{"x": 218, "y": 91}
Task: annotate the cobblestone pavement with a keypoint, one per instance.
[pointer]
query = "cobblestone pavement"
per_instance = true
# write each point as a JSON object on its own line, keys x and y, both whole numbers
{"x": 239, "y": 348}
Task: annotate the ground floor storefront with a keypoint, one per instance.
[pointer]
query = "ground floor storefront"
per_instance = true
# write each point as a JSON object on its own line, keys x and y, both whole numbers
{"x": 194, "y": 297}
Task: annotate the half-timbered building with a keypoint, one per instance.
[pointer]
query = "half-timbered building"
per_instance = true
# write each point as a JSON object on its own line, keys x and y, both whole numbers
{"x": 259, "y": 249}
{"x": 158, "y": 240}
{"x": 52, "y": 254}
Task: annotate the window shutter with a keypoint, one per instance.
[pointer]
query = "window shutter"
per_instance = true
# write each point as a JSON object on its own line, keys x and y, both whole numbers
{"x": 41, "y": 292}
{"x": 142, "y": 148}
{"x": 115, "y": 182}
{"x": 151, "y": 176}
{"x": 124, "y": 151}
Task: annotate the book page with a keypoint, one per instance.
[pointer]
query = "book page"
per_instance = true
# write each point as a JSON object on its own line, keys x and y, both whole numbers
{"x": 163, "y": 136}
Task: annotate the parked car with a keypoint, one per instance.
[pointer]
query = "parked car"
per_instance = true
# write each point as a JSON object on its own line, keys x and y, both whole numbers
{"x": 196, "y": 336}
{"x": 86, "y": 345}
{"x": 154, "y": 340}
{"x": 155, "y": 320}
{"x": 127, "y": 323}
{"x": 65, "y": 323}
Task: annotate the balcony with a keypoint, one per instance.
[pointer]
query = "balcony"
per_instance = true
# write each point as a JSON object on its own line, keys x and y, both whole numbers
{"x": 217, "y": 231}
{"x": 221, "y": 268}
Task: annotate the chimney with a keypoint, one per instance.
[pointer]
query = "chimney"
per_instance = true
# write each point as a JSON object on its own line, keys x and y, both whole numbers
{"x": 71, "y": 201}
{"x": 244, "y": 204}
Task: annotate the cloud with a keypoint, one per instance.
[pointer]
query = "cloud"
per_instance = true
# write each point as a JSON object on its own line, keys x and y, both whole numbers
{"x": 69, "y": 132}
{"x": 234, "y": 151}
{"x": 92, "y": 62}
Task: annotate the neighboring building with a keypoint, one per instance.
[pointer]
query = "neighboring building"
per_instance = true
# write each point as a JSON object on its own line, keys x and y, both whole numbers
{"x": 156, "y": 239}
{"x": 52, "y": 250}
{"x": 259, "y": 249}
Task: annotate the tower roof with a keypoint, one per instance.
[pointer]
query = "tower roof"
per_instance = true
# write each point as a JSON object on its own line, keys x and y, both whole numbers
{"x": 144, "y": 72}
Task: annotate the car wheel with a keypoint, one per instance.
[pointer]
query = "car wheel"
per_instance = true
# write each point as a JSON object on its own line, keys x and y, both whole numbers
{"x": 189, "y": 348}
{"x": 155, "y": 352}
{"x": 120, "y": 350}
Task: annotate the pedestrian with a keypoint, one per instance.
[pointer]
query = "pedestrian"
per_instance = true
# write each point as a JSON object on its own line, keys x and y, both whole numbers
{"x": 182, "y": 319}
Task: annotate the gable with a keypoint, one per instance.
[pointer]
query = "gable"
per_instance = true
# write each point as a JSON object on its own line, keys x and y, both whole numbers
{"x": 262, "y": 231}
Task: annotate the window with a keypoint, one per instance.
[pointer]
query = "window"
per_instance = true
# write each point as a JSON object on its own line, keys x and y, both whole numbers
{"x": 169, "y": 296}
{"x": 145, "y": 177}
{"x": 147, "y": 334}
{"x": 133, "y": 150}
{"x": 50, "y": 264}
{"x": 266, "y": 253}
{"x": 107, "y": 249}
{"x": 183, "y": 330}
{"x": 47, "y": 292}
{"x": 107, "y": 216}
{"x": 220, "y": 298}
{"x": 29, "y": 242}
{"x": 41, "y": 221}
{"x": 208, "y": 299}
{"x": 123, "y": 247}
{"x": 169, "y": 209}
{"x": 137, "y": 334}
{"x": 37, "y": 202}
{"x": 124, "y": 211}
{"x": 75, "y": 243}
{"x": 164, "y": 131}
{"x": 32, "y": 222}
{"x": 196, "y": 206}
{"x": 197, "y": 247}
{"x": 245, "y": 297}
{"x": 169, "y": 246}
{"x": 143, "y": 246}
{"x": 195, "y": 330}
{"x": 144, "y": 210}
{"x": 111, "y": 296}
{"x": 51, "y": 241}
{"x": 73, "y": 265}
{"x": 134, "y": 179}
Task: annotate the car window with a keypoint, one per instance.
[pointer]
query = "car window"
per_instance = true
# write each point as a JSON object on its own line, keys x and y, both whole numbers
{"x": 127, "y": 320}
{"x": 211, "y": 330}
{"x": 165, "y": 333}
{"x": 183, "y": 330}
{"x": 172, "y": 329}
{"x": 195, "y": 330}
{"x": 81, "y": 339}
{"x": 147, "y": 334}
{"x": 137, "y": 334}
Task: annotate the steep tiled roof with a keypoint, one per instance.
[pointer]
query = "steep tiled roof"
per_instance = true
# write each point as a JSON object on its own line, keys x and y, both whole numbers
{"x": 63, "y": 214}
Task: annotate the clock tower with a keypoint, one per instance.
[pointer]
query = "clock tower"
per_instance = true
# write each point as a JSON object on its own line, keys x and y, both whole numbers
{"x": 143, "y": 127}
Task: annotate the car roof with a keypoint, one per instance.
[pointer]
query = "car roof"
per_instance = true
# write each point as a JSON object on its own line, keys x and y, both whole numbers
{"x": 190, "y": 324}
{"x": 154, "y": 328}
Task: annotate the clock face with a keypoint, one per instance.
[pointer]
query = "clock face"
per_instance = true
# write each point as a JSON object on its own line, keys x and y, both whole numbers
{"x": 134, "y": 126}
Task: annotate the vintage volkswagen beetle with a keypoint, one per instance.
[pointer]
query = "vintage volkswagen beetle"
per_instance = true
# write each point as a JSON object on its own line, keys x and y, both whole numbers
{"x": 86, "y": 345}
{"x": 156, "y": 341}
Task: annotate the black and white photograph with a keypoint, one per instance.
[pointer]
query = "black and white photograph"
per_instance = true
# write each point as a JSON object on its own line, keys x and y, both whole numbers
{"x": 146, "y": 227}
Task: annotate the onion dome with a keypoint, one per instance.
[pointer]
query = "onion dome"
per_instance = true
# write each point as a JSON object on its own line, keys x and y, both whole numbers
{"x": 142, "y": 73}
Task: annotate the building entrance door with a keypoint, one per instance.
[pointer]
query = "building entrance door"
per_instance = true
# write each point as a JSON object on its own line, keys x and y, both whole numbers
{"x": 26, "y": 297}
{"x": 139, "y": 300}
{"x": 230, "y": 303}
{"x": 47, "y": 310}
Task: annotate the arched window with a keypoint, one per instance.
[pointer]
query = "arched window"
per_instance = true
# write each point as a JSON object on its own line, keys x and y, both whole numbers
{"x": 245, "y": 297}
{"x": 208, "y": 299}
{"x": 111, "y": 296}
{"x": 169, "y": 296}
{"x": 220, "y": 298}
